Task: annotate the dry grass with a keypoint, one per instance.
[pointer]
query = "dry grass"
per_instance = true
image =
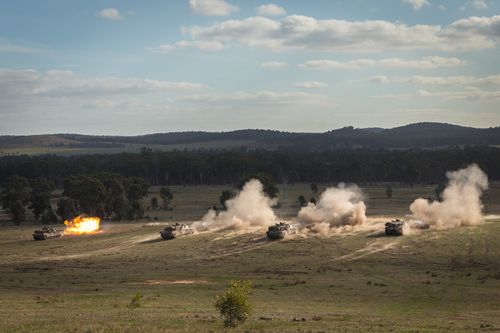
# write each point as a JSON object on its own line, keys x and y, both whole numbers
{"x": 426, "y": 282}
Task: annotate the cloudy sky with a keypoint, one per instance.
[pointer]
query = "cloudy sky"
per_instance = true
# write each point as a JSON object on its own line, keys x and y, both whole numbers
{"x": 134, "y": 67}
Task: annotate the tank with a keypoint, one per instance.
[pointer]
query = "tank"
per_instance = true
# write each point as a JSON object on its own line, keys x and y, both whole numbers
{"x": 395, "y": 228}
{"x": 45, "y": 233}
{"x": 280, "y": 230}
{"x": 176, "y": 230}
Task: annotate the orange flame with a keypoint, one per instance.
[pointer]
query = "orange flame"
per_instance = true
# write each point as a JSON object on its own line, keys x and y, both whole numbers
{"x": 82, "y": 225}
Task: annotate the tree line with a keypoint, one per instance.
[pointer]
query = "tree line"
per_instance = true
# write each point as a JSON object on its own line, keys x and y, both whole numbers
{"x": 285, "y": 166}
{"x": 105, "y": 195}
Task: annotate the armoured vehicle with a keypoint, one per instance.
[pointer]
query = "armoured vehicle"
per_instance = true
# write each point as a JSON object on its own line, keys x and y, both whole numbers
{"x": 176, "y": 230}
{"x": 395, "y": 228}
{"x": 46, "y": 232}
{"x": 280, "y": 230}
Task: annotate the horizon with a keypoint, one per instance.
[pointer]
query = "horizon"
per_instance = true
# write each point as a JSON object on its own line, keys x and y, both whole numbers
{"x": 123, "y": 68}
{"x": 250, "y": 129}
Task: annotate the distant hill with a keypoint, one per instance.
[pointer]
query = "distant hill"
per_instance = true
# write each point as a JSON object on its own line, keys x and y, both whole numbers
{"x": 419, "y": 135}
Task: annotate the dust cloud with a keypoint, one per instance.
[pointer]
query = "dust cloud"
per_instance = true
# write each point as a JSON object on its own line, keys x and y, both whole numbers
{"x": 461, "y": 204}
{"x": 251, "y": 209}
{"x": 337, "y": 207}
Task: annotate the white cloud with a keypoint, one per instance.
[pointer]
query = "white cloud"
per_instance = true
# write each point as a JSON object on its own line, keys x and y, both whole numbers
{"x": 452, "y": 80}
{"x": 423, "y": 63}
{"x": 212, "y": 7}
{"x": 110, "y": 14}
{"x": 379, "y": 79}
{"x": 302, "y": 32}
{"x": 259, "y": 97}
{"x": 480, "y": 4}
{"x": 311, "y": 84}
{"x": 274, "y": 65}
{"x": 202, "y": 45}
{"x": 270, "y": 10}
{"x": 417, "y": 4}
{"x": 473, "y": 94}
{"x": 57, "y": 83}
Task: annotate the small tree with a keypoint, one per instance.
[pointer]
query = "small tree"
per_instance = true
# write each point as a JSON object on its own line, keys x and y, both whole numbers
{"x": 233, "y": 304}
{"x": 135, "y": 303}
{"x": 388, "y": 191}
{"x": 302, "y": 200}
{"x": 166, "y": 196}
{"x": 225, "y": 196}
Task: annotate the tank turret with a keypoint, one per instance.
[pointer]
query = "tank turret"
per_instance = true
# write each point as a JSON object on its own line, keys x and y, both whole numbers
{"x": 395, "y": 228}
{"x": 176, "y": 230}
{"x": 280, "y": 230}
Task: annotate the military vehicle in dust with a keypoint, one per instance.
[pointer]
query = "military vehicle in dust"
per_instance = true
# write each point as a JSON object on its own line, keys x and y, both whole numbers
{"x": 45, "y": 233}
{"x": 280, "y": 230}
{"x": 395, "y": 228}
{"x": 175, "y": 231}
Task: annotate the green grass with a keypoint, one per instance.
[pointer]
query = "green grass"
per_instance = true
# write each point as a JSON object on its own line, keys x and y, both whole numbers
{"x": 427, "y": 282}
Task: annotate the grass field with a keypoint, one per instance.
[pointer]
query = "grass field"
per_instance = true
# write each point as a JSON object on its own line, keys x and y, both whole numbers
{"x": 425, "y": 282}
{"x": 68, "y": 150}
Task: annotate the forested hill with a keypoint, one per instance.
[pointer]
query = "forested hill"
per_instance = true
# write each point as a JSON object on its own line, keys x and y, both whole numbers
{"x": 419, "y": 135}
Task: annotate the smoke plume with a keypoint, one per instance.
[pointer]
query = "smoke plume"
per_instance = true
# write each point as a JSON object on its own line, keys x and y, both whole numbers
{"x": 251, "y": 208}
{"x": 461, "y": 205}
{"x": 337, "y": 206}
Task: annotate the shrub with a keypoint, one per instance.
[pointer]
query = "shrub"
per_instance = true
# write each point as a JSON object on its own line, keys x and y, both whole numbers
{"x": 233, "y": 304}
{"x": 135, "y": 303}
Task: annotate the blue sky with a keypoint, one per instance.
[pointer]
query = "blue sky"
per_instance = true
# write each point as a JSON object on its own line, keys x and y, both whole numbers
{"x": 134, "y": 67}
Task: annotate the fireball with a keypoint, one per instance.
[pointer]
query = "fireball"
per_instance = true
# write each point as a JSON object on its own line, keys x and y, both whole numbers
{"x": 82, "y": 225}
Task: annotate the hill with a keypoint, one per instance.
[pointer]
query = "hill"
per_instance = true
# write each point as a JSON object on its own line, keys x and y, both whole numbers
{"x": 419, "y": 135}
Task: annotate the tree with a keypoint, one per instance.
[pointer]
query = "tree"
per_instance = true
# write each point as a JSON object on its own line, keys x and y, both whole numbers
{"x": 225, "y": 196}
{"x": 233, "y": 304}
{"x": 154, "y": 203}
{"x": 115, "y": 202}
{"x": 388, "y": 191}
{"x": 18, "y": 212}
{"x": 119, "y": 207}
{"x": 302, "y": 201}
{"x": 66, "y": 209}
{"x": 40, "y": 202}
{"x": 136, "y": 188}
{"x": 267, "y": 181}
{"x": 14, "y": 197}
{"x": 49, "y": 217}
{"x": 41, "y": 189}
{"x": 314, "y": 189}
{"x": 88, "y": 192}
{"x": 135, "y": 211}
{"x": 41, "y": 185}
{"x": 166, "y": 196}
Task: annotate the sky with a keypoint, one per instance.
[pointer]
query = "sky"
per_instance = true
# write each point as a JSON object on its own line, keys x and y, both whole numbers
{"x": 123, "y": 67}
